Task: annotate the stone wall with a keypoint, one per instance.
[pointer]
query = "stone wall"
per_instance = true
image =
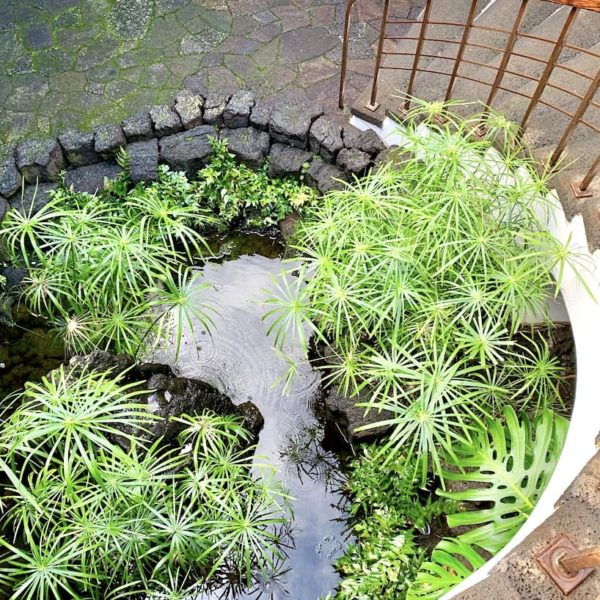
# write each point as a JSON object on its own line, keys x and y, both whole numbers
{"x": 289, "y": 134}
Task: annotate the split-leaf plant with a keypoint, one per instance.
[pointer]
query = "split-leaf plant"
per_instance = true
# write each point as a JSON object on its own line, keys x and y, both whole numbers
{"x": 91, "y": 510}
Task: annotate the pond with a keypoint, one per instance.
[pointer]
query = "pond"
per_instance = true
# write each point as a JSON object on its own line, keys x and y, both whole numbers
{"x": 237, "y": 357}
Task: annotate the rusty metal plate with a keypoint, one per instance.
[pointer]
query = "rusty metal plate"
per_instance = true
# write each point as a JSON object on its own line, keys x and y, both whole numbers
{"x": 578, "y": 192}
{"x": 549, "y": 561}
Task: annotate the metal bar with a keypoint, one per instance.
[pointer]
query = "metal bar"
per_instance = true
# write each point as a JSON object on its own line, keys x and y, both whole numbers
{"x": 461, "y": 48}
{"x": 594, "y": 169}
{"x": 345, "y": 43}
{"x": 583, "y": 559}
{"x": 510, "y": 44}
{"x": 373, "y": 102}
{"x": 583, "y": 106}
{"x": 587, "y": 4}
{"x": 558, "y": 47}
{"x": 413, "y": 74}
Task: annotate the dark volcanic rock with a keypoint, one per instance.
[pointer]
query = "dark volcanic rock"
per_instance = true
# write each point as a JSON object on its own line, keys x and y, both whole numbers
{"x": 138, "y": 127}
{"x": 353, "y": 160}
{"x": 367, "y": 141}
{"x": 143, "y": 161}
{"x": 344, "y": 414}
{"x": 286, "y": 160}
{"x": 394, "y": 155}
{"x": 92, "y": 178}
{"x": 32, "y": 198}
{"x": 214, "y": 107}
{"x": 323, "y": 176}
{"x": 165, "y": 120}
{"x": 40, "y": 159}
{"x": 248, "y": 144}
{"x": 4, "y": 208}
{"x": 10, "y": 178}
{"x": 188, "y": 106}
{"x": 78, "y": 147}
{"x": 188, "y": 151}
{"x": 14, "y": 277}
{"x": 290, "y": 124}
{"x": 108, "y": 139}
{"x": 238, "y": 109}
{"x": 169, "y": 396}
{"x": 326, "y": 138}
{"x": 261, "y": 114}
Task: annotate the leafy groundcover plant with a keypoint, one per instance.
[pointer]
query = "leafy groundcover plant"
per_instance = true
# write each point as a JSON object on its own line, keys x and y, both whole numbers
{"x": 91, "y": 510}
{"x": 416, "y": 282}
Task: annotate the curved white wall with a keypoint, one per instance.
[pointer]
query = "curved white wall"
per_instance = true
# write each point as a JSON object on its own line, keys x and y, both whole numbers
{"x": 584, "y": 314}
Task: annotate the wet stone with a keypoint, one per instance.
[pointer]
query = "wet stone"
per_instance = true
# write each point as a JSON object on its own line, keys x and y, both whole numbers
{"x": 326, "y": 138}
{"x": 92, "y": 178}
{"x": 138, "y": 127}
{"x": 108, "y": 139}
{"x": 367, "y": 141}
{"x": 248, "y": 144}
{"x": 4, "y": 208}
{"x": 286, "y": 160}
{"x": 214, "y": 107}
{"x": 189, "y": 108}
{"x": 165, "y": 120}
{"x": 40, "y": 159}
{"x": 38, "y": 36}
{"x": 33, "y": 198}
{"x": 188, "y": 151}
{"x": 143, "y": 161}
{"x": 265, "y": 17}
{"x": 238, "y": 109}
{"x": 78, "y": 147}
{"x": 10, "y": 178}
{"x": 353, "y": 160}
{"x": 290, "y": 125}
{"x": 324, "y": 176}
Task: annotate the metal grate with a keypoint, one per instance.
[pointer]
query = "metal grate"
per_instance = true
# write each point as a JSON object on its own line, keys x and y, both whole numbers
{"x": 511, "y": 33}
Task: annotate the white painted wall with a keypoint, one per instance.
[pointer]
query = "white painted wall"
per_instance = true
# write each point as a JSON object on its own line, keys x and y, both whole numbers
{"x": 584, "y": 314}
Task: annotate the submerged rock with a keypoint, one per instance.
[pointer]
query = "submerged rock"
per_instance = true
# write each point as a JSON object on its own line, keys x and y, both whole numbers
{"x": 343, "y": 414}
{"x": 169, "y": 396}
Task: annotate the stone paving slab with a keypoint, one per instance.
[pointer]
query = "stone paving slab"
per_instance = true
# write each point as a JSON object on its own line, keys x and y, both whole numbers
{"x": 81, "y": 63}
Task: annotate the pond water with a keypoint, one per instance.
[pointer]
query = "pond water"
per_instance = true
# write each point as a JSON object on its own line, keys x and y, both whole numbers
{"x": 237, "y": 358}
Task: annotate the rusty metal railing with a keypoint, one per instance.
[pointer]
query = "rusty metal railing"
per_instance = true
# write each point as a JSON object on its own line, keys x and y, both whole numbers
{"x": 511, "y": 33}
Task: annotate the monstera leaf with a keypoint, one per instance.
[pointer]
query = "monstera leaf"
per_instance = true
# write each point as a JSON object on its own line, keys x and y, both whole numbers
{"x": 509, "y": 466}
{"x": 451, "y": 561}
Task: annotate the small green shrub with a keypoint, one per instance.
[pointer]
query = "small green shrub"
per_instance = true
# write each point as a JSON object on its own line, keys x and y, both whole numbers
{"x": 248, "y": 197}
{"x": 106, "y": 270}
{"x": 92, "y": 511}
{"x": 416, "y": 280}
{"x": 388, "y": 511}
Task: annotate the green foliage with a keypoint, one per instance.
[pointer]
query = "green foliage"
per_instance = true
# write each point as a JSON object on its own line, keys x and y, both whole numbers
{"x": 510, "y": 466}
{"x": 389, "y": 511}
{"x": 451, "y": 562}
{"x": 240, "y": 195}
{"x": 506, "y": 466}
{"x": 94, "y": 512}
{"x": 418, "y": 278}
{"x": 105, "y": 270}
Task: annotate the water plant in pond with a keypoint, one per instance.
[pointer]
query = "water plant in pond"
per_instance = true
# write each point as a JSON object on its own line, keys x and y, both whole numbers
{"x": 418, "y": 278}
{"x": 417, "y": 282}
{"x": 93, "y": 510}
